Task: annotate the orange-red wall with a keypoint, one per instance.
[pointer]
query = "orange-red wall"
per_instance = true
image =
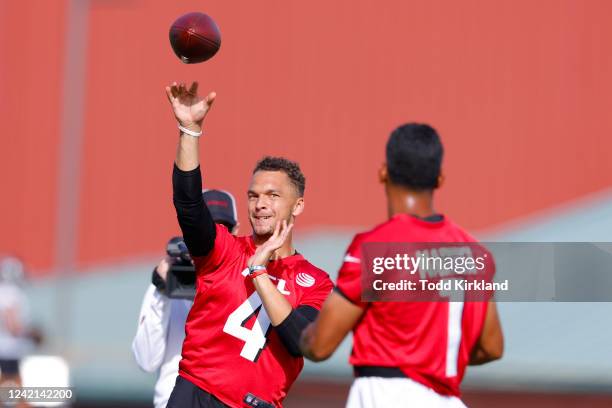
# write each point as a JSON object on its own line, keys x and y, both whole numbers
{"x": 519, "y": 90}
{"x": 31, "y": 65}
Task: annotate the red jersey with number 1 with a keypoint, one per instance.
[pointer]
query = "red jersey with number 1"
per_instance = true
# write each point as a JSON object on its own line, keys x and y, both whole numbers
{"x": 429, "y": 341}
{"x": 230, "y": 348}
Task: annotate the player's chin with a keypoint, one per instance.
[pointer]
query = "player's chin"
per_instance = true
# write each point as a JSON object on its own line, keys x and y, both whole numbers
{"x": 262, "y": 230}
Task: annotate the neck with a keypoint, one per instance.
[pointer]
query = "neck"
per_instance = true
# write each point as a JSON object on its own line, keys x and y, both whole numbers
{"x": 401, "y": 200}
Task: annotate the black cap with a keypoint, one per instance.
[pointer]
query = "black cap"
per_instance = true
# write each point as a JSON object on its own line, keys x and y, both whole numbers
{"x": 222, "y": 207}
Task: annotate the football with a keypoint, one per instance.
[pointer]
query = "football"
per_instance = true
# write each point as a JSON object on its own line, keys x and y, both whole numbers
{"x": 195, "y": 37}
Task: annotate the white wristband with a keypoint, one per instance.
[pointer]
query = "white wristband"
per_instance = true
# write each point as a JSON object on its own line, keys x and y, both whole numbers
{"x": 189, "y": 132}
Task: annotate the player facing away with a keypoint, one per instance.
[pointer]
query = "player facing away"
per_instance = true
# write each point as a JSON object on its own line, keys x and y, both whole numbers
{"x": 406, "y": 354}
{"x": 254, "y": 294}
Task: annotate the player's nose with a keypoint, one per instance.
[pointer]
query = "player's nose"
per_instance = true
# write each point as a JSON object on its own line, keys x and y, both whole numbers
{"x": 261, "y": 204}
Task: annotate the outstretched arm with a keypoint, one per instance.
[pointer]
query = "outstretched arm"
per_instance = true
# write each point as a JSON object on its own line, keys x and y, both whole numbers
{"x": 337, "y": 318}
{"x": 193, "y": 216}
{"x": 490, "y": 345}
{"x": 190, "y": 109}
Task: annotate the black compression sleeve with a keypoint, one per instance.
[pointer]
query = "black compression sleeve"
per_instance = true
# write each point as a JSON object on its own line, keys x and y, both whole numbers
{"x": 196, "y": 223}
{"x": 291, "y": 328}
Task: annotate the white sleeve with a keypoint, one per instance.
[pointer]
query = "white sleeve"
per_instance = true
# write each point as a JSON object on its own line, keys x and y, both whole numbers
{"x": 149, "y": 344}
{"x": 13, "y": 299}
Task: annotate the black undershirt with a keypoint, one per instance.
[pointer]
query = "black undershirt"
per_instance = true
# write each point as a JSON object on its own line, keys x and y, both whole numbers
{"x": 197, "y": 225}
{"x": 430, "y": 218}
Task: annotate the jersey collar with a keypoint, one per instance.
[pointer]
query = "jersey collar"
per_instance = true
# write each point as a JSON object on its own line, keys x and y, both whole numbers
{"x": 423, "y": 222}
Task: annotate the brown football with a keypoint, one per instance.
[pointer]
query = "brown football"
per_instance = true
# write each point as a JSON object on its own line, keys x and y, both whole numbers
{"x": 195, "y": 37}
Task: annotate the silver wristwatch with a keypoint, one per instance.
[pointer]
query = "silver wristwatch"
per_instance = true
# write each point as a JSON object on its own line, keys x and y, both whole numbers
{"x": 255, "y": 268}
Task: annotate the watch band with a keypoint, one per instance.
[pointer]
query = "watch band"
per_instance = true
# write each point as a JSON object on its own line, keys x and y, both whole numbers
{"x": 256, "y": 268}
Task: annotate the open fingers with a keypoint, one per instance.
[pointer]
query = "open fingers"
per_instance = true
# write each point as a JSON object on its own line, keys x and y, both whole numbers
{"x": 210, "y": 98}
{"x": 286, "y": 230}
{"x": 277, "y": 229}
{"x": 174, "y": 89}
{"x": 281, "y": 237}
{"x": 169, "y": 94}
{"x": 193, "y": 90}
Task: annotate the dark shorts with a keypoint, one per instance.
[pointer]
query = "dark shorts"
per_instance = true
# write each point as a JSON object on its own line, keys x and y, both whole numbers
{"x": 9, "y": 367}
{"x": 187, "y": 395}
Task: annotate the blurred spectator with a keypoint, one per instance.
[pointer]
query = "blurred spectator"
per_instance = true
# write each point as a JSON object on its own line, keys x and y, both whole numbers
{"x": 161, "y": 329}
{"x": 17, "y": 337}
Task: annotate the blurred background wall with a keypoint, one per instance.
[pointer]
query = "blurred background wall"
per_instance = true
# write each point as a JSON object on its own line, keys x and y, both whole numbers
{"x": 519, "y": 90}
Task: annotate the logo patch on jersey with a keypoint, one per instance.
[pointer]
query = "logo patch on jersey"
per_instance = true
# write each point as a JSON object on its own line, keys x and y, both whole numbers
{"x": 304, "y": 279}
{"x": 352, "y": 259}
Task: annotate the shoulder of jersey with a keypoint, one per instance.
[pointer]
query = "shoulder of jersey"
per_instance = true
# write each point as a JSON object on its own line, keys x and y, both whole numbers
{"x": 244, "y": 241}
{"x": 316, "y": 273}
{"x": 375, "y": 232}
{"x": 466, "y": 236}
{"x": 380, "y": 230}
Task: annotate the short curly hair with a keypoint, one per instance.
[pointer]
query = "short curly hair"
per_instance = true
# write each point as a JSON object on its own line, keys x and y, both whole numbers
{"x": 414, "y": 156}
{"x": 290, "y": 168}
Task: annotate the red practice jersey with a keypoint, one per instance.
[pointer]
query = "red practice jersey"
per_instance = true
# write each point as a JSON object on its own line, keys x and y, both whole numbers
{"x": 230, "y": 348}
{"x": 429, "y": 341}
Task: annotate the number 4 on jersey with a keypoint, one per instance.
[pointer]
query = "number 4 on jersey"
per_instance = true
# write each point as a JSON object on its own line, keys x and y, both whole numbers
{"x": 255, "y": 338}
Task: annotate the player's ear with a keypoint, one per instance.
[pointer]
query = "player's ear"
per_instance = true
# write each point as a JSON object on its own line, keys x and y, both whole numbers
{"x": 298, "y": 207}
{"x": 441, "y": 179}
{"x": 383, "y": 174}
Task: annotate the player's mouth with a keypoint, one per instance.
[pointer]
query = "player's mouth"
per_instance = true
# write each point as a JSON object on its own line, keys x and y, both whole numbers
{"x": 262, "y": 219}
